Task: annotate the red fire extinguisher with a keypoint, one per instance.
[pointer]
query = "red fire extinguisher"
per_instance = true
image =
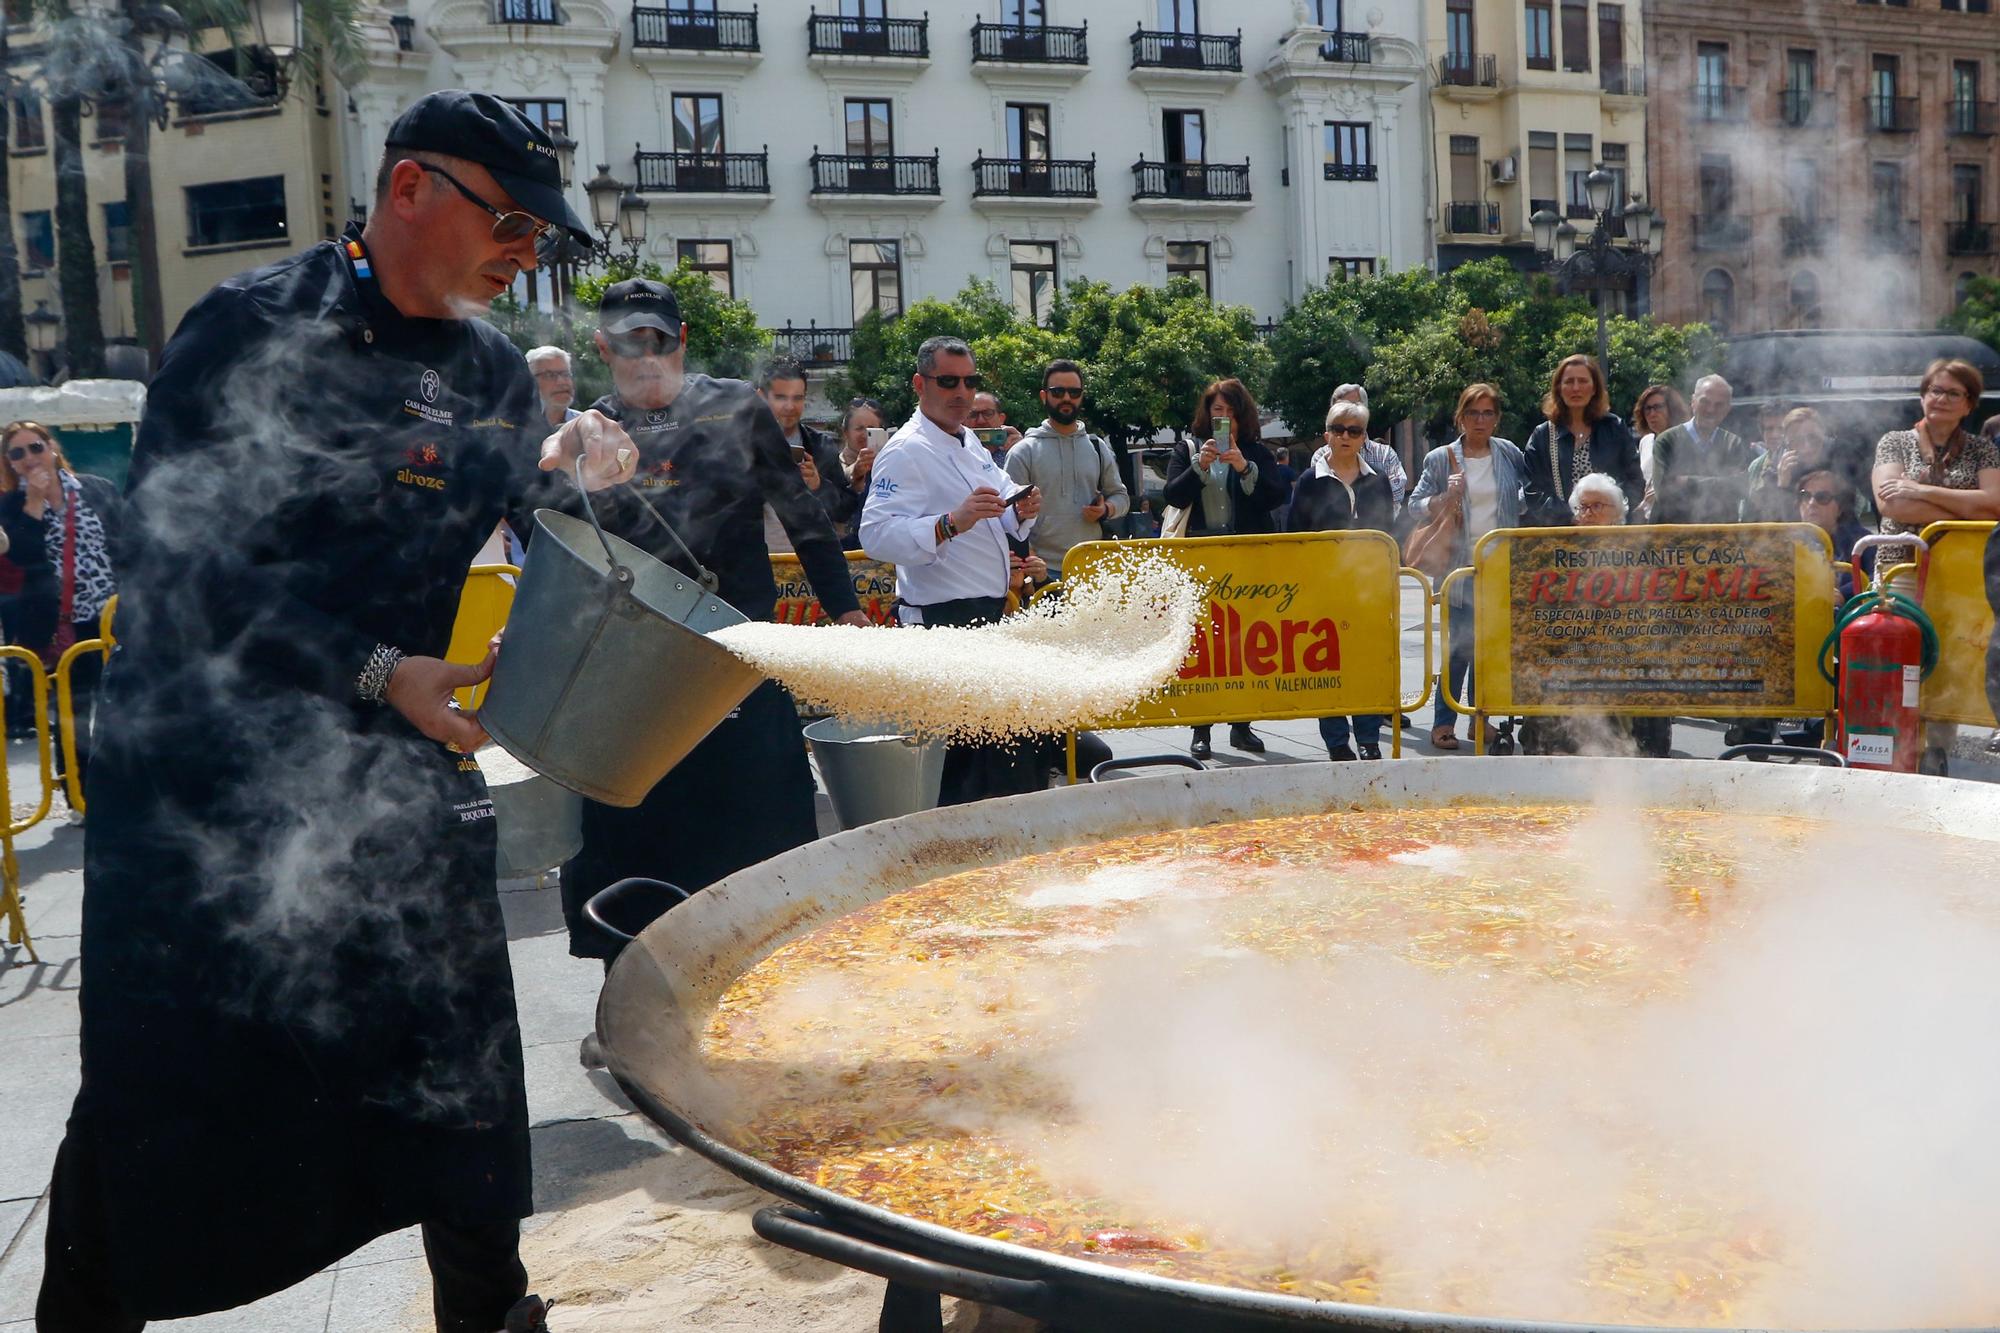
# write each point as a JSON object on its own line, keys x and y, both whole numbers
{"x": 1886, "y": 646}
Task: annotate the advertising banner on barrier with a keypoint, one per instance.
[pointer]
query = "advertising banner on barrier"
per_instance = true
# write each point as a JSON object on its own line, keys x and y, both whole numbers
{"x": 1955, "y": 600}
{"x": 1711, "y": 621}
{"x": 1299, "y": 625}
{"x": 874, "y": 584}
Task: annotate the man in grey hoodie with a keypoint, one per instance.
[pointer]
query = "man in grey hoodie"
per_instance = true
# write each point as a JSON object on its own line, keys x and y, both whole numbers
{"x": 1076, "y": 471}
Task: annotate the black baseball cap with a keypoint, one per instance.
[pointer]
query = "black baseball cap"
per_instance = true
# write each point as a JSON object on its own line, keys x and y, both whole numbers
{"x": 639, "y": 303}
{"x": 482, "y": 128}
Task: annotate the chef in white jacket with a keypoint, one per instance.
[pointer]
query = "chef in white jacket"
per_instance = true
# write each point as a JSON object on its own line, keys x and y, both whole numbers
{"x": 937, "y": 510}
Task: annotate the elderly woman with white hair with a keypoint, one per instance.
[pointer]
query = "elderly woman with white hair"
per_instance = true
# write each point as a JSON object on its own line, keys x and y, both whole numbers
{"x": 1343, "y": 492}
{"x": 1380, "y": 456}
{"x": 1597, "y": 501}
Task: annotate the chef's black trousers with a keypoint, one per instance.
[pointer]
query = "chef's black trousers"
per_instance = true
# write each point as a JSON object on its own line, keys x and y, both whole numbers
{"x": 988, "y": 768}
{"x": 476, "y": 1269}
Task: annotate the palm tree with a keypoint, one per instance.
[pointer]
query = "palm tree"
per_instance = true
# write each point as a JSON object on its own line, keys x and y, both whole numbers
{"x": 71, "y": 70}
{"x": 13, "y": 333}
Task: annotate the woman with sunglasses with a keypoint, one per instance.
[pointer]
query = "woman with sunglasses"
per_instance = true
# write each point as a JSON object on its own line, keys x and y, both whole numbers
{"x": 1342, "y": 493}
{"x": 1227, "y": 481}
{"x": 60, "y": 526}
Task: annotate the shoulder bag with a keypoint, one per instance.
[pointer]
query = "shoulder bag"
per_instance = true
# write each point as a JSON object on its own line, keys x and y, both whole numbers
{"x": 1174, "y": 518}
{"x": 1430, "y": 547}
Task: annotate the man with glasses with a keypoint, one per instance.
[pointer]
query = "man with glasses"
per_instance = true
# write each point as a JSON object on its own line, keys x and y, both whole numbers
{"x": 1075, "y": 471}
{"x": 939, "y": 511}
{"x": 299, "y": 1029}
{"x": 555, "y": 382}
{"x": 712, "y": 457}
{"x": 986, "y": 414}
{"x": 1701, "y": 471}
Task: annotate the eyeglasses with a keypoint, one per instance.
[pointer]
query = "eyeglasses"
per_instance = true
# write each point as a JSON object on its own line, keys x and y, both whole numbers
{"x": 1480, "y": 414}
{"x": 1349, "y": 431}
{"x": 1595, "y": 507}
{"x": 1818, "y": 497}
{"x": 953, "y": 381}
{"x": 20, "y": 451}
{"x": 507, "y": 227}
{"x": 641, "y": 342}
{"x": 553, "y": 375}
{"x": 1944, "y": 395}
{"x": 1064, "y": 391}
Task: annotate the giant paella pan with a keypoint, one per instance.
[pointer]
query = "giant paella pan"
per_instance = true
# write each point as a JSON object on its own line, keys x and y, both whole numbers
{"x": 1436, "y": 1044}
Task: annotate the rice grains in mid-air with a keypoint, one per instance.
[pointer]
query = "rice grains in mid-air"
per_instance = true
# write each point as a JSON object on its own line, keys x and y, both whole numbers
{"x": 1113, "y": 640}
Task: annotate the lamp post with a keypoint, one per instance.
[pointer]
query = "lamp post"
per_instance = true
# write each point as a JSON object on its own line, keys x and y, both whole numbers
{"x": 615, "y": 208}
{"x": 1599, "y": 258}
{"x": 44, "y": 328}
{"x": 156, "y": 35}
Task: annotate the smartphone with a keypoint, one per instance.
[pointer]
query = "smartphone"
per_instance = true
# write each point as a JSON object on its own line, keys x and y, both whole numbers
{"x": 798, "y": 453}
{"x": 1014, "y": 500}
{"x": 878, "y": 438}
{"x": 993, "y": 437}
{"x": 1223, "y": 427}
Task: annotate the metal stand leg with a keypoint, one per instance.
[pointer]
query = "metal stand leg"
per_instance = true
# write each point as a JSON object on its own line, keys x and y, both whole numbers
{"x": 908, "y": 1310}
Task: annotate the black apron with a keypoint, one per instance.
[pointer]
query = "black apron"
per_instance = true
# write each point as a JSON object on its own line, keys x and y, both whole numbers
{"x": 298, "y": 1012}
{"x": 990, "y": 768}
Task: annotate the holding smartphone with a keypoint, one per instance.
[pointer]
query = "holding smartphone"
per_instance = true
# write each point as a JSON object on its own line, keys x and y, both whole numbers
{"x": 1013, "y": 501}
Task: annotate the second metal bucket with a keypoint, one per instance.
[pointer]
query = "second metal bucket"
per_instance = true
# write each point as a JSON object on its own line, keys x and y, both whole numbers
{"x": 606, "y": 677}
{"x": 872, "y": 773}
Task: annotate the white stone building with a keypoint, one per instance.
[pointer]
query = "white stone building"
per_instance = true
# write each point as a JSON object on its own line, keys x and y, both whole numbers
{"x": 822, "y": 159}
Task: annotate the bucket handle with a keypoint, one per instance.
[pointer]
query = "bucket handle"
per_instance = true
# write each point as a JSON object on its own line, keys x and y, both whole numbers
{"x": 594, "y": 906}
{"x": 702, "y": 573}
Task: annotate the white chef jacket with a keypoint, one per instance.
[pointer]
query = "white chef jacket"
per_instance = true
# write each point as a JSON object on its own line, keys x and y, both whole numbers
{"x": 920, "y": 474}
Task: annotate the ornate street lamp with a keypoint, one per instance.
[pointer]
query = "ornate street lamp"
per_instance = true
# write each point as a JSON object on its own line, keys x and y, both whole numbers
{"x": 1600, "y": 257}
{"x": 44, "y": 328}
{"x": 605, "y": 191}
{"x": 632, "y": 220}
{"x": 565, "y": 155}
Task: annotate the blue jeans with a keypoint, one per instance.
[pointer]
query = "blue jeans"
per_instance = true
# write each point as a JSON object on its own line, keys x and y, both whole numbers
{"x": 1367, "y": 729}
{"x": 1458, "y": 668}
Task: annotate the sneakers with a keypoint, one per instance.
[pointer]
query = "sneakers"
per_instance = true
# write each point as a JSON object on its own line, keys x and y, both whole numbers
{"x": 1340, "y": 753}
{"x": 1371, "y": 752}
{"x": 1244, "y": 739}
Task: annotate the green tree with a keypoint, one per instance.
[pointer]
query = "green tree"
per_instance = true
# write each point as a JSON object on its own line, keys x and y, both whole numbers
{"x": 1978, "y": 315}
{"x": 1159, "y": 348}
{"x": 1419, "y": 375}
{"x": 1643, "y": 352}
{"x": 885, "y": 350}
{"x": 1334, "y": 332}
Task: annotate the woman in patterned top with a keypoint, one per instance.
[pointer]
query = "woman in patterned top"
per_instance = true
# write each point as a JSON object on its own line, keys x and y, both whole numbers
{"x": 1581, "y": 435}
{"x": 60, "y": 526}
{"x": 1937, "y": 470}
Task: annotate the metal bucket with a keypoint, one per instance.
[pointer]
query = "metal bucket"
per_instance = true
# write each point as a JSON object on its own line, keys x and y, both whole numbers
{"x": 871, "y": 773}
{"x": 539, "y": 825}
{"x": 606, "y": 678}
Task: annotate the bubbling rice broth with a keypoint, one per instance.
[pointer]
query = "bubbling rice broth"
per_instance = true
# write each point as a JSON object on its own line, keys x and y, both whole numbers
{"x": 1458, "y": 1060}
{"x": 1114, "y": 640}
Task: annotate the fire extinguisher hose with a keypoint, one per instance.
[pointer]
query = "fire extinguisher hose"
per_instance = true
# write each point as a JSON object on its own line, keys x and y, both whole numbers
{"x": 1890, "y": 603}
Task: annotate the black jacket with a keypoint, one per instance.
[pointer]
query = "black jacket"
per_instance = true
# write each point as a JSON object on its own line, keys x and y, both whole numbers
{"x": 1321, "y": 504}
{"x": 709, "y": 463}
{"x": 299, "y": 1028}
{"x": 1253, "y": 508}
{"x": 1611, "y": 450}
{"x": 840, "y": 501}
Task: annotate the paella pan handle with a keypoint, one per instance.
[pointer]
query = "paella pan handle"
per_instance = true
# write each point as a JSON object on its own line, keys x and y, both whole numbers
{"x": 811, "y": 1233}
{"x": 594, "y": 907}
{"x": 1824, "y": 758}
{"x": 1098, "y": 772}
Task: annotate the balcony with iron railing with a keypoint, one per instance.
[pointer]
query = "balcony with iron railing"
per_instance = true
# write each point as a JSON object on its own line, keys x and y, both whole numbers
{"x": 1473, "y": 219}
{"x": 1466, "y": 69}
{"x": 1720, "y": 231}
{"x": 1716, "y": 101}
{"x": 1347, "y": 48}
{"x": 1892, "y": 235}
{"x": 813, "y": 347}
{"x": 840, "y": 35}
{"x": 1618, "y": 79}
{"x": 862, "y": 173}
{"x": 1803, "y": 108}
{"x": 1033, "y": 178}
{"x": 1803, "y": 235}
{"x": 1968, "y": 238}
{"x": 704, "y": 173}
{"x": 1890, "y": 115}
{"x": 1193, "y": 52}
{"x": 1968, "y": 119}
{"x": 1029, "y": 44}
{"x": 541, "y": 13}
{"x": 695, "y": 30}
{"x": 1351, "y": 171}
{"x": 1198, "y": 182}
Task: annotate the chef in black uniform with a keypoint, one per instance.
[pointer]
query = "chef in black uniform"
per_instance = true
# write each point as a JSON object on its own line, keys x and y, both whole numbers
{"x": 711, "y": 457}
{"x": 298, "y": 1018}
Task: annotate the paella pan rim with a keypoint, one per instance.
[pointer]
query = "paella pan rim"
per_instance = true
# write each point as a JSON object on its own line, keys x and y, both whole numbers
{"x": 703, "y": 928}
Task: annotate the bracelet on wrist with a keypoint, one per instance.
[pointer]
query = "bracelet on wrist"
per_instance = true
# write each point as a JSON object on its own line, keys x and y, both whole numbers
{"x": 372, "y": 685}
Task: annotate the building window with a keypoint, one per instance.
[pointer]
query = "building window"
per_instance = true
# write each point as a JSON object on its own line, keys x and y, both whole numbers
{"x": 31, "y": 133}
{"x": 1711, "y": 80}
{"x": 1349, "y": 151}
{"x": 38, "y": 241}
{"x": 1801, "y": 83}
{"x": 1718, "y": 300}
{"x": 1718, "y": 187}
{"x": 870, "y": 128}
{"x": 1967, "y": 189}
{"x": 1189, "y": 259}
{"x": 1460, "y": 44}
{"x": 1802, "y": 186}
{"x": 1541, "y": 35}
{"x": 1576, "y": 174}
{"x": 549, "y": 113}
{"x": 1184, "y": 135}
{"x": 1023, "y": 14}
{"x": 1028, "y": 131}
{"x": 1616, "y": 163}
{"x": 875, "y": 271}
{"x": 1328, "y": 15}
{"x": 236, "y": 212}
{"x": 1180, "y": 15}
{"x": 1885, "y": 189}
{"x": 1542, "y": 179}
{"x": 1802, "y": 307}
{"x": 698, "y": 124}
{"x": 117, "y": 234}
{"x": 1576, "y": 36}
{"x": 1611, "y": 50}
{"x": 1351, "y": 266}
{"x": 1464, "y": 170}
{"x": 110, "y": 126}
{"x": 714, "y": 260}
{"x": 1033, "y": 267}
{"x": 251, "y": 82}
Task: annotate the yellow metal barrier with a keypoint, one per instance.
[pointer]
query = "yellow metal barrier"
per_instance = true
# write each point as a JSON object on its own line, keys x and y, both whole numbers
{"x": 1955, "y": 600}
{"x": 482, "y": 613}
{"x": 10, "y": 868}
